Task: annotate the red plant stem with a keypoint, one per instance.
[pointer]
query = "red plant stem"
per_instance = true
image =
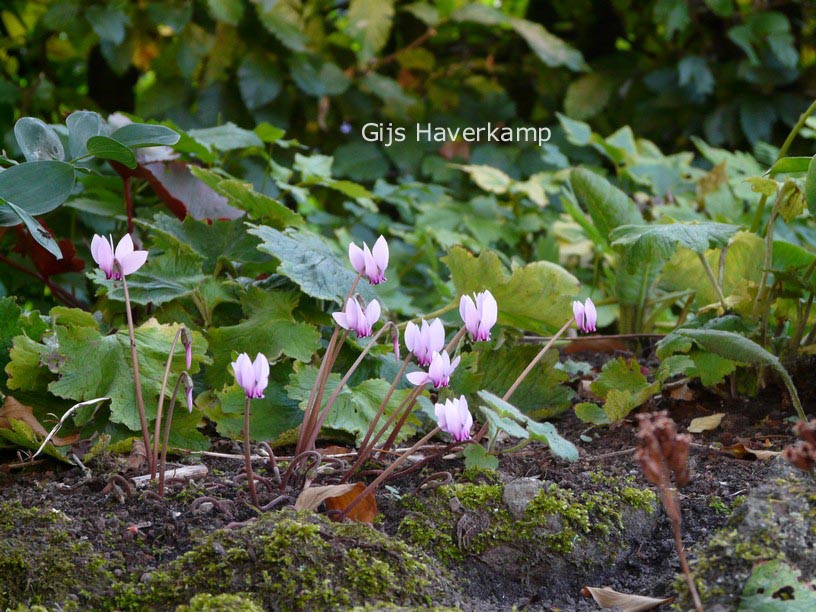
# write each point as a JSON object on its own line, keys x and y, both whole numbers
{"x": 526, "y": 371}
{"x": 253, "y": 494}
{"x": 61, "y": 294}
{"x": 410, "y": 401}
{"x": 377, "y": 481}
{"x": 128, "y": 202}
{"x": 157, "y": 429}
{"x": 668, "y": 497}
{"x": 166, "y": 441}
{"x": 137, "y": 380}
{"x": 325, "y": 411}
{"x": 384, "y": 402}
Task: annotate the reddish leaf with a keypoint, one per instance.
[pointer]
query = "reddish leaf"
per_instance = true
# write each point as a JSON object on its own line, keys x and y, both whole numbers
{"x": 14, "y": 410}
{"x": 47, "y": 265}
{"x": 364, "y": 512}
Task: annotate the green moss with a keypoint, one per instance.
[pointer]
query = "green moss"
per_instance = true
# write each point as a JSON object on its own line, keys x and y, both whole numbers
{"x": 40, "y": 559}
{"x": 718, "y": 505}
{"x": 293, "y": 560}
{"x": 556, "y": 517}
{"x": 204, "y": 602}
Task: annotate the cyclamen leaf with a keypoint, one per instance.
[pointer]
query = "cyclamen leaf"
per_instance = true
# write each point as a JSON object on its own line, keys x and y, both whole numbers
{"x": 270, "y": 328}
{"x": 659, "y": 242}
{"x": 308, "y": 261}
{"x": 536, "y": 297}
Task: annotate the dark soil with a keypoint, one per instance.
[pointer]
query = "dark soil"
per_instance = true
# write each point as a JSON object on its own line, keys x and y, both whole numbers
{"x": 139, "y": 532}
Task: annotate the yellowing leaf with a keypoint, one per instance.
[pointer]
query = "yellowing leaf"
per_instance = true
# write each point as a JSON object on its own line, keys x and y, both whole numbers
{"x": 626, "y": 602}
{"x": 701, "y": 424}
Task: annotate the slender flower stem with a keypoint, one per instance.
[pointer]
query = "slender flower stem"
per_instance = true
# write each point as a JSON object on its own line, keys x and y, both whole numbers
{"x": 166, "y": 441}
{"x": 157, "y": 429}
{"x": 137, "y": 380}
{"x": 431, "y": 315}
{"x": 409, "y": 406}
{"x": 713, "y": 280}
{"x": 384, "y": 402}
{"x": 387, "y": 472}
{"x": 253, "y": 494}
{"x": 313, "y": 433}
{"x": 456, "y": 340}
{"x": 669, "y": 498}
{"x": 526, "y": 371}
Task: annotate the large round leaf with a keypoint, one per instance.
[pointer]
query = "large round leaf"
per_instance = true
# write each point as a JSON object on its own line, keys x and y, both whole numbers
{"x": 36, "y": 187}
{"x": 37, "y": 141}
{"x": 83, "y": 125}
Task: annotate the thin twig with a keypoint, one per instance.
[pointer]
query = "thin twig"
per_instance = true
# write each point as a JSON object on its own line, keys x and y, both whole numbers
{"x": 68, "y": 413}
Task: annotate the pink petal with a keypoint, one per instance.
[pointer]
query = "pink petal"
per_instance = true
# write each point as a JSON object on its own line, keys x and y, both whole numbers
{"x": 380, "y": 252}
{"x": 436, "y": 340}
{"x": 489, "y": 311}
{"x": 452, "y": 365}
{"x": 132, "y": 261}
{"x": 372, "y": 313}
{"x": 591, "y": 315}
{"x": 356, "y": 257}
{"x": 341, "y": 319}
{"x": 578, "y": 313}
{"x": 124, "y": 247}
{"x": 441, "y": 415}
{"x": 411, "y": 336}
{"x": 418, "y": 378}
{"x": 102, "y": 253}
{"x": 463, "y": 307}
{"x": 242, "y": 368}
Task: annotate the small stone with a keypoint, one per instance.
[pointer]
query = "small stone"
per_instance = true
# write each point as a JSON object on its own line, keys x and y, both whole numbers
{"x": 519, "y": 493}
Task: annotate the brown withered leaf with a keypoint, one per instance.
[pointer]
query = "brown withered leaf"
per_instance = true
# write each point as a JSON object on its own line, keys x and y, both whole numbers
{"x": 12, "y": 409}
{"x": 138, "y": 456}
{"x": 682, "y": 393}
{"x": 364, "y": 512}
{"x": 311, "y": 497}
{"x": 609, "y": 598}
{"x": 740, "y": 451}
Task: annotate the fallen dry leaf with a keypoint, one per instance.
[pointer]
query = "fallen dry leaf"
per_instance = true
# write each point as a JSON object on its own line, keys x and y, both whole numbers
{"x": 682, "y": 393}
{"x": 364, "y": 512}
{"x": 12, "y": 409}
{"x": 311, "y": 497}
{"x": 740, "y": 451}
{"x": 608, "y": 598}
{"x": 701, "y": 424}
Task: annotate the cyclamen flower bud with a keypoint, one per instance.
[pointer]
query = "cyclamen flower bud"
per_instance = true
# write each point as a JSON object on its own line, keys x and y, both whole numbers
{"x": 585, "y": 315}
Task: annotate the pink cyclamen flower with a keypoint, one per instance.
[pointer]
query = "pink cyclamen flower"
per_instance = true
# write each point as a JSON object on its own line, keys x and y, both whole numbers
{"x": 480, "y": 315}
{"x": 251, "y": 376}
{"x": 438, "y": 373}
{"x": 585, "y": 315}
{"x": 371, "y": 263}
{"x": 454, "y": 417}
{"x": 355, "y": 317}
{"x": 424, "y": 340}
{"x": 105, "y": 256}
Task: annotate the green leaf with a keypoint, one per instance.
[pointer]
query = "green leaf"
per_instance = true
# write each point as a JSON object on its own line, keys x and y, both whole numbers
{"x": 588, "y": 95}
{"x": 259, "y": 81}
{"x": 760, "y": 184}
{"x": 608, "y": 206}
{"x": 536, "y": 297}
{"x": 316, "y": 77}
{"x": 673, "y": 15}
{"x": 14, "y": 323}
{"x": 507, "y": 417}
{"x": 360, "y": 161}
{"x": 108, "y": 22}
{"x": 136, "y": 135}
{"x": 790, "y": 165}
{"x": 550, "y": 49}
{"x": 791, "y": 201}
{"x": 91, "y": 365}
{"x": 227, "y": 137}
{"x": 38, "y": 141}
{"x": 487, "y": 177}
{"x": 19, "y": 435}
{"x": 577, "y": 132}
{"x": 591, "y": 413}
{"x": 810, "y": 186}
{"x": 673, "y": 366}
{"x": 731, "y": 346}
{"x": 215, "y": 241}
{"x": 37, "y": 187}
{"x": 174, "y": 274}
{"x": 283, "y": 20}
{"x": 241, "y": 195}
{"x": 621, "y": 374}
{"x": 313, "y": 166}
{"x": 369, "y": 21}
{"x": 658, "y": 242}
{"x": 83, "y": 125}
{"x": 105, "y": 147}
{"x": 268, "y": 328}
{"x": 308, "y": 261}
{"x": 228, "y": 11}
{"x": 711, "y": 369}
{"x": 37, "y": 231}
{"x": 768, "y": 580}
{"x": 355, "y": 407}
{"x": 477, "y": 457}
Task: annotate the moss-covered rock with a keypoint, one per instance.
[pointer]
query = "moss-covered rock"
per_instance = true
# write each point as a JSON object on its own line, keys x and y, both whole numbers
{"x": 537, "y": 533}
{"x": 776, "y": 522}
{"x": 204, "y": 602}
{"x": 295, "y": 561}
{"x": 42, "y": 560}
